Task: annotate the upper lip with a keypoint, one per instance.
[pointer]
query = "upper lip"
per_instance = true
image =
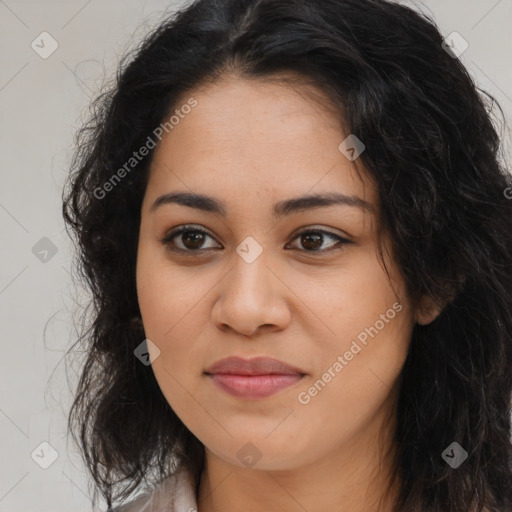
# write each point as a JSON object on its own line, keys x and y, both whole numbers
{"x": 255, "y": 366}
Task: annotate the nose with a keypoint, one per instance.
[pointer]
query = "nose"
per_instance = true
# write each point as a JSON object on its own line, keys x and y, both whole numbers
{"x": 251, "y": 299}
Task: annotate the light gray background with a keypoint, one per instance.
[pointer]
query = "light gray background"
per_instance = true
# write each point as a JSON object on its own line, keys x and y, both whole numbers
{"x": 41, "y": 104}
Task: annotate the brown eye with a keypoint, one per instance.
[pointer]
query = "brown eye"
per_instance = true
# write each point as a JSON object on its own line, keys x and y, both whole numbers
{"x": 187, "y": 239}
{"x": 313, "y": 240}
{"x": 192, "y": 239}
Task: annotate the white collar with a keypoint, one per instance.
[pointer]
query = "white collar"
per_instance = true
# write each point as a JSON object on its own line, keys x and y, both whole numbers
{"x": 175, "y": 493}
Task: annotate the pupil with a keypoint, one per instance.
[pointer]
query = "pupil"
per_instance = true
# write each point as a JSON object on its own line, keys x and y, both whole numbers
{"x": 195, "y": 236}
{"x": 317, "y": 238}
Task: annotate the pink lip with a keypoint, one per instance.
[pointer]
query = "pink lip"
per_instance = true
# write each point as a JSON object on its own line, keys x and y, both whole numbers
{"x": 254, "y": 378}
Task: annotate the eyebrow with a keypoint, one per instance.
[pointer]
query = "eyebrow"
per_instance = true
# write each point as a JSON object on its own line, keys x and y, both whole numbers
{"x": 280, "y": 209}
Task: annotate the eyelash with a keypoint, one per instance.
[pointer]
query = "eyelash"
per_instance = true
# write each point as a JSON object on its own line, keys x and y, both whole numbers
{"x": 168, "y": 238}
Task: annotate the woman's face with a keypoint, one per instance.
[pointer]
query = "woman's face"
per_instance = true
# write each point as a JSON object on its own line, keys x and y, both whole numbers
{"x": 252, "y": 285}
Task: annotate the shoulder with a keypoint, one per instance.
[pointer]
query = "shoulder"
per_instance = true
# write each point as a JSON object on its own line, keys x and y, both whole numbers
{"x": 175, "y": 493}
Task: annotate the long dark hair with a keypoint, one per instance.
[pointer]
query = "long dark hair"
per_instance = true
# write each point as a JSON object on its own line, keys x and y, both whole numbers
{"x": 434, "y": 153}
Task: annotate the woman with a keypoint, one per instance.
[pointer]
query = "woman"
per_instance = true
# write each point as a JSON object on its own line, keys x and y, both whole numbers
{"x": 295, "y": 226}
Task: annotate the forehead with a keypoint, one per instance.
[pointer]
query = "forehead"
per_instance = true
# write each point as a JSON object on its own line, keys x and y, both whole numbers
{"x": 256, "y": 138}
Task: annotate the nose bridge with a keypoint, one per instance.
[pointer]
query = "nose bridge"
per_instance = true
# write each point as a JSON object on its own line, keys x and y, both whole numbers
{"x": 250, "y": 277}
{"x": 249, "y": 296}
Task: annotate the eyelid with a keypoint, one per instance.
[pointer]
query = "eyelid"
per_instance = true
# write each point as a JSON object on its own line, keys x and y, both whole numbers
{"x": 178, "y": 230}
{"x": 341, "y": 239}
{"x": 322, "y": 229}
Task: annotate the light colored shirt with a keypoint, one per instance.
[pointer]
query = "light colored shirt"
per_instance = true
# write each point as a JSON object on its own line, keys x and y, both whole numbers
{"x": 175, "y": 493}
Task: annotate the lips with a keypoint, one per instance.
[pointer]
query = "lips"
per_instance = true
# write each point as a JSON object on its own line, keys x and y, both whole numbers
{"x": 255, "y": 378}
{"x": 254, "y": 366}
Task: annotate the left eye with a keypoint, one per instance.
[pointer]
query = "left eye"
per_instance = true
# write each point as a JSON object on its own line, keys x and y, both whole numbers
{"x": 192, "y": 238}
{"x": 313, "y": 239}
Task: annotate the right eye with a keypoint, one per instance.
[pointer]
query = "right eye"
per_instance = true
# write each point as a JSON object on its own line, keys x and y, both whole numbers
{"x": 189, "y": 239}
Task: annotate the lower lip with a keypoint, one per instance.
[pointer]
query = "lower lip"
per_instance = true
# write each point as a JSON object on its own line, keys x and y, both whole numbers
{"x": 254, "y": 386}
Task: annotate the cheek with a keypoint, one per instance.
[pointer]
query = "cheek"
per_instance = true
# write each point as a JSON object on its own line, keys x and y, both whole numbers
{"x": 349, "y": 298}
{"x": 167, "y": 296}
{"x": 353, "y": 381}
{"x": 174, "y": 320}
{"x": 173, "y": 306}
{"x": 368, "y": 326}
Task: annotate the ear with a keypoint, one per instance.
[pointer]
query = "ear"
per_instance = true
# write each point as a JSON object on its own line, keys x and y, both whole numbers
{"x": 428, "y": 309}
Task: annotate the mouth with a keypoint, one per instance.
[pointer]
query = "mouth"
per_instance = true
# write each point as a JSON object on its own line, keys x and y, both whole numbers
{"x": 255, "y": 378}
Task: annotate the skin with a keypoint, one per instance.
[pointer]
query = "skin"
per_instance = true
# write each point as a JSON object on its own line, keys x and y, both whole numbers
{"x": 251, "y": 144}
